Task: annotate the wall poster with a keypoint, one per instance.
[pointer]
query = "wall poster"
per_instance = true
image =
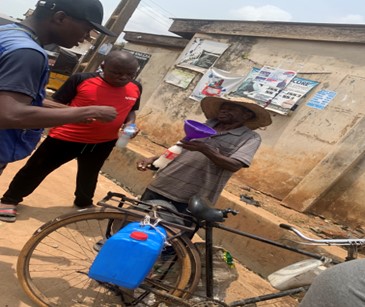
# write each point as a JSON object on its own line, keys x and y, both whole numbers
{"x": 277, "y": 90}
{"x": 290, "y": 97}
{"x": 215, "y": 82}
{"x": 180, "y": 77}
{"x": 141, "y": 57}
{"x": 321, "y": 99}
{"x": 201, "y": 54}
{"x": 268, "y": 82}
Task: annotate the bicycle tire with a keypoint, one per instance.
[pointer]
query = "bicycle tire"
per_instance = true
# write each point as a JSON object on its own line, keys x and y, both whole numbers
{"x": 52, "y": 266}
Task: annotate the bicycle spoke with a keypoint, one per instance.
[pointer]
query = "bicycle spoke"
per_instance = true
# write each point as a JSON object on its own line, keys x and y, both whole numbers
{"x": 53, "y": 266}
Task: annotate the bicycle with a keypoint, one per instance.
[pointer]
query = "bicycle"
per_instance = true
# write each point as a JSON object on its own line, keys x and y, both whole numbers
{"x": 53, "y": 265}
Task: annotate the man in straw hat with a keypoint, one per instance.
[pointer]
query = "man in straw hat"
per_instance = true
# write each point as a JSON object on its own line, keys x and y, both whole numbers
{"x": 205, "y": 165}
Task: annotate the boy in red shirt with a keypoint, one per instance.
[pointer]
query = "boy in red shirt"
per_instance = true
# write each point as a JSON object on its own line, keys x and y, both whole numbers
{"x": 89, "y": 143}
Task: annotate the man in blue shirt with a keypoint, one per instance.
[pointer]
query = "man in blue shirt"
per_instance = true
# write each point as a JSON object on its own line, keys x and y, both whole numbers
{"x": 24, "y": 74}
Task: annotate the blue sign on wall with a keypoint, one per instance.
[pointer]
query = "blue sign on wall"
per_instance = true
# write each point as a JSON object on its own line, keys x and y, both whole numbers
{"x": 321, "y": 99}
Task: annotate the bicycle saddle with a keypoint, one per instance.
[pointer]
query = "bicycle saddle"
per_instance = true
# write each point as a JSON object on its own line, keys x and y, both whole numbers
{"x": 202, "y": 209}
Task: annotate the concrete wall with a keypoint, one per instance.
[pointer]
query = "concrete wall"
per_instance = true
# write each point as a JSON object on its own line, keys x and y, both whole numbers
{"x": 312, "y": 160}
{"x": 293, "y": 146}
{"x": 154, "y": 72}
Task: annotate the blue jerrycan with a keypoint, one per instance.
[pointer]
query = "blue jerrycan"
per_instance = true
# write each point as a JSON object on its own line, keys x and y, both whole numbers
{"x": 128, "y": 256}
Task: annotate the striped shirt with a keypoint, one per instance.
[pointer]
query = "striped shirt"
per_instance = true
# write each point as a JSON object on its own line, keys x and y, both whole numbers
{"x": 192, "y": 173}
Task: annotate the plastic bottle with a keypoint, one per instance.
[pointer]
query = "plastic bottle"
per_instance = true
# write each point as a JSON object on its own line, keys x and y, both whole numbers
{"x": 169, "y": 155}
{"x": 126, "y": 135}
{"x": 127, "y": 257}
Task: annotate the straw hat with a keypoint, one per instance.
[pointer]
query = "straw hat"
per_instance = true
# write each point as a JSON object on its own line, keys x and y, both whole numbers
{"x": 211, "y": 106}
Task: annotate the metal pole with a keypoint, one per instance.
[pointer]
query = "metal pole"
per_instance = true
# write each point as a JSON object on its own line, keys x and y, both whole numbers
{"x": 116, "y": 23}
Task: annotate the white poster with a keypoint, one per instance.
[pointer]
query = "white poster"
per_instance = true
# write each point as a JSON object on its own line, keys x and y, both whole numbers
{"x": 268, "y": 82}
{"x": 274, "y": 77}
{"x": 215, "y": 82}
{"x": 179, "y": 77}
{"x": 201, "y": 54}
{"x": 248, "y": 85}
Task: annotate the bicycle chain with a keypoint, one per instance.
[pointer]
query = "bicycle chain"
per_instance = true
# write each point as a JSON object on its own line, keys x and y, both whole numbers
{"x": 164, "y": 297}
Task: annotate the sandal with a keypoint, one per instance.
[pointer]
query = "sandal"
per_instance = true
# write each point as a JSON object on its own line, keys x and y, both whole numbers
{"x": 8, "y": 213}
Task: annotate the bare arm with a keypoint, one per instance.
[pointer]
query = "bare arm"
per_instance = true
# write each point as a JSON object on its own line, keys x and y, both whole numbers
{"x": 16, "y": 112}
{"x": 47, "y": 103}
{"x": 213, "y": 154}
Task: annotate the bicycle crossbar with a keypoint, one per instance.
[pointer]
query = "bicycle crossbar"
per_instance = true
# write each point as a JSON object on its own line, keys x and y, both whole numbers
{"x": 267, "y": 297}
{"x": 274, "y": 243}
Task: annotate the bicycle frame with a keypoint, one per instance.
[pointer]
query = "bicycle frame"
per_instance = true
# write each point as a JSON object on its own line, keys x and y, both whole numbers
{"x": 91, "y": 226}
{"x": 208, "y": 227}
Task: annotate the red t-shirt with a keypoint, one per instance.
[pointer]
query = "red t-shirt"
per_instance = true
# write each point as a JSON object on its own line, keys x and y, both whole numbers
{"x": 87, "y": 89}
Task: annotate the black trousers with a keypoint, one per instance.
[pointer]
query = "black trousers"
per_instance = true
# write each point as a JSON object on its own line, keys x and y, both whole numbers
{"x": 180, "y": 207}
{"x": 50, "y": 155}
{"x": 150, "y": 195}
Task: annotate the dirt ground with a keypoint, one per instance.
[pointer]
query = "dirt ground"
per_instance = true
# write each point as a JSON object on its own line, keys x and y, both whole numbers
{"x": 53, "y": 198}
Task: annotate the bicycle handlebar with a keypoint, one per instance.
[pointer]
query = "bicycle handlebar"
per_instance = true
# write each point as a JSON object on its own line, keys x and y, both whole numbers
{"x": 337, "y": 242}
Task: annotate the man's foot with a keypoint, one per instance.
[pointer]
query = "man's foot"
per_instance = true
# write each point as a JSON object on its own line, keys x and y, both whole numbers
{"x": 8, "y": 213}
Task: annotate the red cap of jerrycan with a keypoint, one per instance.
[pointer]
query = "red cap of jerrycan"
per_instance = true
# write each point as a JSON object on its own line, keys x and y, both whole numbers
{"x": 138, "y": 235}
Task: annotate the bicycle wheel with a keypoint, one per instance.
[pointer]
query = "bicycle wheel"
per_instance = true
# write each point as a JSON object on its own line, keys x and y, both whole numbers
{"x": 53, "y": 265}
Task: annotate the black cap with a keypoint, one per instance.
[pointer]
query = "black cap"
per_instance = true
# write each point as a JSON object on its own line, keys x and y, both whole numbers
{"x": 88, "y": 10}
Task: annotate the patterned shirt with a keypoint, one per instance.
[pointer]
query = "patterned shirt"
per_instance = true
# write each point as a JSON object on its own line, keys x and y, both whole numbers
{"x": 192, "y": 173}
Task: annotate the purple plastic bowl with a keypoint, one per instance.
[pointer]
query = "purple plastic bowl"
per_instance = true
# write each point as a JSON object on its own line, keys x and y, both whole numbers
{"x": 196, "y": 130}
